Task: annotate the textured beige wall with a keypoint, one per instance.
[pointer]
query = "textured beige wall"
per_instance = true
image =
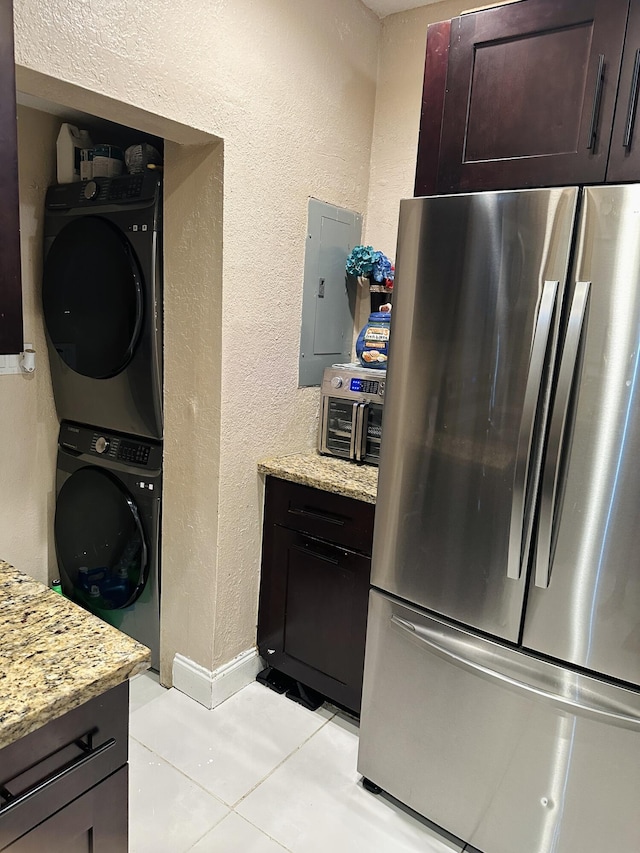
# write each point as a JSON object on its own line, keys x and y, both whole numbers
{"x": 289, "y": 86}
{"x": 193, "y": 357}
{"x": 28, "y": 423}
{"x": 397, "y": 119}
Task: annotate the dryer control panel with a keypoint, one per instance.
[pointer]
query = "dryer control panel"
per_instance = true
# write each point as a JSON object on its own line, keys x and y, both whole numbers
{"x": 128, "y": 450}
{"x": 104, "y": 191}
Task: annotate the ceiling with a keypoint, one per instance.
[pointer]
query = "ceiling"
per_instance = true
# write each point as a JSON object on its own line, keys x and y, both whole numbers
{"x": 388, "y": 7}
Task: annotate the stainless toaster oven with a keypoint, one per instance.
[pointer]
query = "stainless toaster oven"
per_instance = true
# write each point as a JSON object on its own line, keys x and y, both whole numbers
{"x": 351, "y": 403}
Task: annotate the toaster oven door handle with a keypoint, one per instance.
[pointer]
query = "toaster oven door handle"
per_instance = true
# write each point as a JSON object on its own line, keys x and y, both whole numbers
{"x": 324, "y": 424}
{"x": 361, "y": 431}
{"x": 353, "y": 444}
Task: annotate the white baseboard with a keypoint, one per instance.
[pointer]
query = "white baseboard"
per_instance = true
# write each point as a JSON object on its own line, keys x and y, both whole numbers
{"x": 211, "y": 688}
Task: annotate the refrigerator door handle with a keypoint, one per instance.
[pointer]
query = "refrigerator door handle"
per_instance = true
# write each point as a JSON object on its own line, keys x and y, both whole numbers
{"x": 557, "y": 432}
{"x": 485, "y": 665}
{"x": 532, "y": 396}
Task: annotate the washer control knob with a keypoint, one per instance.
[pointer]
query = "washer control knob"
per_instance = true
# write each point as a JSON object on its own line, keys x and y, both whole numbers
{"x": 102, "y": 444}
{"x": 336, "y": 382}
{"x": 91, "y": 190}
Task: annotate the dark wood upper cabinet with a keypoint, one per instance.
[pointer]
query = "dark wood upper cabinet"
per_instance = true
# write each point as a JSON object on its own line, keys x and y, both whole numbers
{"x": 435, "y": 83}
{"x": 530, "y": 95}
{"x": 10, "y": 284}
{"x": 624, "y": 156}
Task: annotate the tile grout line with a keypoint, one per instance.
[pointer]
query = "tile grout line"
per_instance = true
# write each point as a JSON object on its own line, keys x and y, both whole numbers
{"x": 286, "y": 758}
{"x": 206, "y": 832}
{"x": 182, "y": 773}
{"x": 261, "y": 831}
{"x": 232, "y": 808}
{"x": 237, "y": 802}
{"x": 266, "y": 834}
{"x": 257, "y": 785}
{"x": 193, "y": 782}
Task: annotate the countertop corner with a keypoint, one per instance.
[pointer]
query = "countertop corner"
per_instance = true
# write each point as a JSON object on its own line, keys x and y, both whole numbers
{"x": 350, "y": 479}
{"x": 54, "y": 656}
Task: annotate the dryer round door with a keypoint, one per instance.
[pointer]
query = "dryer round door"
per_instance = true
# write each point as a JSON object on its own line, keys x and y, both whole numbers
{"x": 92, "y": 297}
{"x": 100, "y": 541}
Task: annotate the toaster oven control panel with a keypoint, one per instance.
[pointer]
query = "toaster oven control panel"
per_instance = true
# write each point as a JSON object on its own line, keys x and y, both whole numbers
{"x": 360, "y": 384}
{"x": 366, "y": 386}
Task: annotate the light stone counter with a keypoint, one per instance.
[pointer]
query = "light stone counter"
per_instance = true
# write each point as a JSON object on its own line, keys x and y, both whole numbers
{"x": 54, "y": 656}
{"x": 327, "y": 473}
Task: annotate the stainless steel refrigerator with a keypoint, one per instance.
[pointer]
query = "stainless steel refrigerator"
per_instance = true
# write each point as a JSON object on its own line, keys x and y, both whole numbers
{"x": 501, "y": 692}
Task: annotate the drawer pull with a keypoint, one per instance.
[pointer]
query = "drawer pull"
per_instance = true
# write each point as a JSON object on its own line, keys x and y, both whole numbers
{"x": 318, "y": 515}
{"x": 13, "y": 801}
{"x": 313, "y": 553}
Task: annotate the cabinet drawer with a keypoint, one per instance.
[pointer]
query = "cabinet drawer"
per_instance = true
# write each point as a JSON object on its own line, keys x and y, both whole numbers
{"x": 334, "y": 518}
{"x": 96, "y": 822}
{"x": 45, "y": 770}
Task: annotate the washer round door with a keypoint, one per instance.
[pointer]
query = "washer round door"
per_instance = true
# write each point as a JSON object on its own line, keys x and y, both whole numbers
{"x": 100, "y": 542}
{"x": 92, "y": 297}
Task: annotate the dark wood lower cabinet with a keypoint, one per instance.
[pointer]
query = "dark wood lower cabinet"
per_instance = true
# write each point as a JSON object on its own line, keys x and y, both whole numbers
{"x": 94, "y": 823}
{"x": 63, "y": 788}
{"x": 315, "y": 587}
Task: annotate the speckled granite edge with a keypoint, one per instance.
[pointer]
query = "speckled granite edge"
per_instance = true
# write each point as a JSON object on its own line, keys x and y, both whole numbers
{"x": 54, "y": 656}
{"x": 325, "y": 472}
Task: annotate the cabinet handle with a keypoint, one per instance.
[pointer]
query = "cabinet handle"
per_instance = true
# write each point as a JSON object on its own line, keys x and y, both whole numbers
{"x": 633, "y": 103}
{"x": 12, "y": 802}
{"x": 317, "y": 515}
{"x": 308, "y": 550}
{"x": 597, "y": 97}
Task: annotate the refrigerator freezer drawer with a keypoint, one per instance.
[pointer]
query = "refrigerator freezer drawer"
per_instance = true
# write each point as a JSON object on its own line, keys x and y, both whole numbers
{"x": 505, "y": 751}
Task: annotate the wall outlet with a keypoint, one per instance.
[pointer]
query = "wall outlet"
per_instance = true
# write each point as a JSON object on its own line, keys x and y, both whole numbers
{"x": 13, "y": 363}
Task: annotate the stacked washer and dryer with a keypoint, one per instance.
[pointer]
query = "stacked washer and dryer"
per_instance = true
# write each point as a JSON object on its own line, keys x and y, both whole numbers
{"x": 102, "y": 300}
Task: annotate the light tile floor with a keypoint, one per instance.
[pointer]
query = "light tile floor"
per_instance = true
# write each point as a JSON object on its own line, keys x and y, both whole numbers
{"x": 257, "y": 774}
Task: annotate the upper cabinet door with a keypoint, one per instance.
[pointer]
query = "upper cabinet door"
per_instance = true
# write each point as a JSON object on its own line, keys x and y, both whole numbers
{"x": 435, "y": 84}
{"x": 624, "y": 157}
{"x": 10, "y": 283}
{"x": 531, "y": 88}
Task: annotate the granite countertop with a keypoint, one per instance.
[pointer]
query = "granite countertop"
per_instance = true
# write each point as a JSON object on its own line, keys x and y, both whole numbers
{"x": 54, "y": 656}
{"x": 328, "y": 473}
